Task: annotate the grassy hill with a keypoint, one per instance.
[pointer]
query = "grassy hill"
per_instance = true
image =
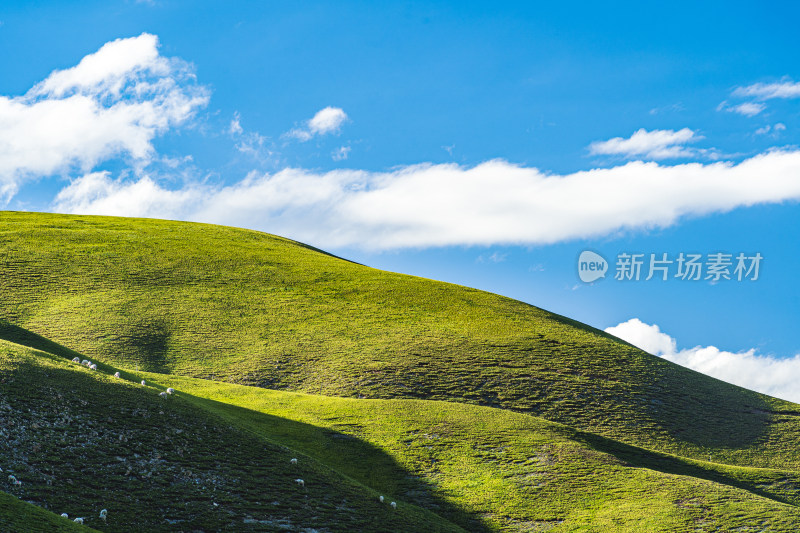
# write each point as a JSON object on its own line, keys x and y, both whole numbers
{"x": 215, "y": 456}
{"x": 474, "y": 411}
{"x": 209, "y": 301}
{"x": 81, "y": 441}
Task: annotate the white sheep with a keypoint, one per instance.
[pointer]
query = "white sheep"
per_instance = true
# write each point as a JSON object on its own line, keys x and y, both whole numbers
{"x": 293, "y": 461}
{"x": 93, "y": 366}
{"x": 12, "y": 479}
{"x": 170, "y": 390}
{"x": 143, "y": 383}
{"x": 300, "y": 482}
{"x": 86, "y": 362}
{"x": 64, "y": 515}
{"x": 163, "y": 394}
{"x": 116, "y": 374}
{"x": 104, "y": 514}
{"x": 78, "y": 520}
{"x": 394, "y": 505}
{"x": 76, "y": 359}
{"x": 380, "y": 499}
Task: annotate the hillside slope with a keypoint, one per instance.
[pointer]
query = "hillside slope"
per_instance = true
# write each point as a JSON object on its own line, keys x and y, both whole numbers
{"x": 81, "y": 440}
{"x": 247, "y": 307}
{"x": 209, "y": 457}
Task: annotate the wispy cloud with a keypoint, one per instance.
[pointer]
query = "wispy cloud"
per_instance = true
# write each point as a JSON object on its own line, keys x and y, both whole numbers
{"x": 768, "y": 91}
{"x": 655, "y": 144}
{"x": 341, "y": 153}
{"x": 763, "y": 373}
{"x": 748, "y": 109}
{"x": 773, "y": 130}
{"x": 758, "y": 93}
{"x": 325, "y": 121}
{"x": 429, "y": 205}
{"x": 113, "y": 103}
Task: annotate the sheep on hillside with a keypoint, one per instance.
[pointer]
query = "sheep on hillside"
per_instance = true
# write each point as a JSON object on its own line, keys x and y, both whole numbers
{"x": 300, "y": 482}
{"x": 293, "y": 461}
{"x": 86, "y": 362}
{"x": 394, "y": 505}
{"x": 78, "y": 520}
{"x": 143, "y": 383}
{"x": 64, "y": 515}
{"x": 93, "y": 366}
{"x": 116, "y": 374}
{"x": 163, "y": 394}
{"x": 380, "y": 499}
{"x": 170, "y": 390}
{"x": 76, "y": 360}
{"x": 104, "y": 514}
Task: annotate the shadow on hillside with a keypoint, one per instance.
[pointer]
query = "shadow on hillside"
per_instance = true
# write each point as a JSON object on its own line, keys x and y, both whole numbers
{"x": 345, "y": 454}
{"x": 24, "y": 337}
{"x": 635, "y": 457}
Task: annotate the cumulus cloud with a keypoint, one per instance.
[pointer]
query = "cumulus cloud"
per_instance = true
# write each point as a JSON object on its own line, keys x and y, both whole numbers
{"x": 325, "y": 121}
{"x": 656, "y": 144}
{"x": 113, "y": 103}
{"x": 489, "y": 204}
{"x": 763, "y": 373}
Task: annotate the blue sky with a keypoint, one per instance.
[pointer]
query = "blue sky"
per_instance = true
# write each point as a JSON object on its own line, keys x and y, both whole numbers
{"x": 479, "y": 144}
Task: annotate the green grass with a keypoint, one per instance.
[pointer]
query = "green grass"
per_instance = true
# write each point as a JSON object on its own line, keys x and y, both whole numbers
{"x": 21, "y": 517}
{"x": 508, "y": 468}
{"x": 481, "y": 411}
{"x": 82, "y": 440}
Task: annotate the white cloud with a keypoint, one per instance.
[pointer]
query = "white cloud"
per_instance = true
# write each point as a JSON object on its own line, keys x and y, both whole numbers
{"x": 341, "y": 153}
{"x": 768, "y": 91}
{"x": 748, "y": 109}
{"x": 325, "y": 121}
{"x": 114, "y": 102}
{"x": 490, "y": 204}
{"x": 494, "y": 257}
{"x": 763, "y": 373}
{"x": 97, "y": 193}
{"x": 776, "y": 129}
{"x": 656, "y": 144}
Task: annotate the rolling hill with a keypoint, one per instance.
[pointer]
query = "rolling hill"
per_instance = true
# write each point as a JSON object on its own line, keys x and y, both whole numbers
{"x": 474, "y": 411}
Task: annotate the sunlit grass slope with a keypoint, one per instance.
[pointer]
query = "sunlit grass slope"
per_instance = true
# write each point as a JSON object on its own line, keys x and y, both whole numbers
{"x": 247, "y": 307}
{"x": 81, "y": 441}
{"x": 513, "y": 471}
